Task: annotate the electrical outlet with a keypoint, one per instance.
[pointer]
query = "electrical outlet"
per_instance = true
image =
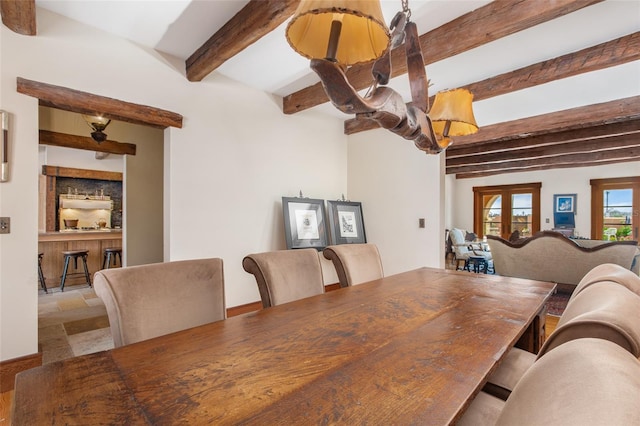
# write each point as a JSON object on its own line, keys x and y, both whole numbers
{"x": 421, "y": 223}
{"x": 5, "y": 225}
{"x": 547, "y": 220}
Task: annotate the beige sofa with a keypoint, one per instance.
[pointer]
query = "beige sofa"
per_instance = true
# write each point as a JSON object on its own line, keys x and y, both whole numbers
{"x": 550, "y": 256}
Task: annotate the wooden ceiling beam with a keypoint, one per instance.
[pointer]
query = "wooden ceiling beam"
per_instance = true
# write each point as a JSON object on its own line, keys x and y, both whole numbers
{"x": 86, "y": 103}
{"x": 486, "y": 24}
{"x": 510, "y": 147}
{"x": 81, "y": 142}
{"x": 582, "y": 158}
{"x": 574, "y": 147}
{"x": 19, "y": 16}
{"x": 615, "y": 52}
{"x": 609, "y": 54}
{"x": 257, "y": 19}
{"x": 616, "y": 111}
{"x": 70, "y": 172}
{"x": 542, "y": 167}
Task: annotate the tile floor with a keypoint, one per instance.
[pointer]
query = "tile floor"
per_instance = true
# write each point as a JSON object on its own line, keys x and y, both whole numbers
{"x": 71, "y": 323}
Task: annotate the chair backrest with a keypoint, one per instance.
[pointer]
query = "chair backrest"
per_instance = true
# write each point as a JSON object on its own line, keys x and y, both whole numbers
{"x": 152, "y": 300}
{"x": 458, "y": 237}
{"x": 355, "y": 263}
{"x": 609, "y": 272}
{"x": 583, "y": 382}
{"x": 285, "y": 275}
{"x": 604, "y": 310}
{"x": 460, "y": 244}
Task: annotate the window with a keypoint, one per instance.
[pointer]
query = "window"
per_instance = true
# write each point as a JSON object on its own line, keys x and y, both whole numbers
{"x": 500, "y": 210}
{"x": 615, "y": 206}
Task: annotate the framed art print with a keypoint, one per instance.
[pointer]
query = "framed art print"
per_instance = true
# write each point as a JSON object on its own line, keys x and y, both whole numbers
{"x": 346, "y": 222}
{"x": 564, "y": 203}
{"x": 304, "y": 224}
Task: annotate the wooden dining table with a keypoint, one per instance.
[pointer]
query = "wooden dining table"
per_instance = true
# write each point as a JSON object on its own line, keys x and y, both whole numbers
{"x": 411, "y": 348}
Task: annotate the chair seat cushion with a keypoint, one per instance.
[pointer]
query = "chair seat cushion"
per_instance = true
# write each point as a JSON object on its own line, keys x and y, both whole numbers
{"x": 483, "y": 410}
{"x": 512, "y": 368}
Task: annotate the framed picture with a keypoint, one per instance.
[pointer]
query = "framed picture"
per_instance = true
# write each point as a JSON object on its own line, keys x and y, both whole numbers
{"x": 304, "y": 224}
{"x": 564, "y": 203}
{"x": 346, "y": 223}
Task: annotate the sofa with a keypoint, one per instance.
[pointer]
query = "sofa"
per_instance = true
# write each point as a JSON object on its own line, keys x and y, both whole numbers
{"x": 550, "y": 256}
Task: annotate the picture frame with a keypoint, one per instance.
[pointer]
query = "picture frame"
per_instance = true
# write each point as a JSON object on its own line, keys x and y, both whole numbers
{"x": 564, "y": 203}
{"x": 304, "y": 223}
{"x": 346, "y": 222}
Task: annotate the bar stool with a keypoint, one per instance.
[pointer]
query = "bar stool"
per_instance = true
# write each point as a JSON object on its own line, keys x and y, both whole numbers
{"x": 110, "y": 255}
{"x": 75, "y": 254}
{"x": 43, "y": 283}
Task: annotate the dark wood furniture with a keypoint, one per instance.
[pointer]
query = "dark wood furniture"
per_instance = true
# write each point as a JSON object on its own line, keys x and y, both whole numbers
{"x": 75, "y": 255}
{"x": 41, "y": 279}
{"x": 112, "y": 256}
{"x": 477, "y": 264}
{"x": 409, "y": 348}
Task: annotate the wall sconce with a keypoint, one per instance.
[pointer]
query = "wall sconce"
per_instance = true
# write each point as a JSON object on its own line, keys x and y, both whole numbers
{"x": 4, "y": 146}
{"x": 97, "y": 123}
{"x": 336, "y": 34}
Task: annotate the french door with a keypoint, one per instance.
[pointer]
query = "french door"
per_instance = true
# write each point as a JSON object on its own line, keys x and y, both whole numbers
{"x": 501, "y": 210}
{"x": 615, "y": 208}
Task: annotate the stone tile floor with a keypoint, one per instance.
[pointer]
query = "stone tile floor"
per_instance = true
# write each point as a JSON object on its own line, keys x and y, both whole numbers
{"x": 71, "y": 323}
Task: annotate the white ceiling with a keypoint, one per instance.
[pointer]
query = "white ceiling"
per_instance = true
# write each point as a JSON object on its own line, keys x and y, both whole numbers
{"x": 179, "y": 27}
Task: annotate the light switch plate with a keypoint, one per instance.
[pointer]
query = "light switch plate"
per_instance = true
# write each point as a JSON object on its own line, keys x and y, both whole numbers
{"x": 421, "y": 223}
{"x": 5, "y": 225}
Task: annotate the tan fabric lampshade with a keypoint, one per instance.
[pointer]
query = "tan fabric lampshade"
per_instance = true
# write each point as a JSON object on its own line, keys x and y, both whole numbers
{"x": 363, "y": 37}
{"x": 454, "y": 106}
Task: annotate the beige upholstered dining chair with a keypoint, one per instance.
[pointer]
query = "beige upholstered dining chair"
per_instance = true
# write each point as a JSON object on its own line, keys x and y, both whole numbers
{"x": 583, "y": 382}
{"x": 609, "y": 272}
{"x": 152, "y": 300}
{"x": 285, "y": 275}
{"x": 355, "y": 263}
{"x": 604, "y": 310}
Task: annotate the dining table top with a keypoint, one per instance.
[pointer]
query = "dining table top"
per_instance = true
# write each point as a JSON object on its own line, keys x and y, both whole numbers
{"x": 411, "y": 348}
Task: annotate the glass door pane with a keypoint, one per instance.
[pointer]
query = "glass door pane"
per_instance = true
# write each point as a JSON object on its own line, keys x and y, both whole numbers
{"x": 522, "y": 214}
{"x": 492, "y": 214}
{"x": 618, "y": 213}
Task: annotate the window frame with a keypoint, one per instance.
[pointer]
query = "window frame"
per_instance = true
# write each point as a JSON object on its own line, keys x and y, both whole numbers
{"x": 598, "y": 186}
{"x": 506, "y": 191}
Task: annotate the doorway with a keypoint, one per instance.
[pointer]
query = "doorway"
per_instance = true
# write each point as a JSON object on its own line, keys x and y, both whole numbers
{"x": 143, "y": 181}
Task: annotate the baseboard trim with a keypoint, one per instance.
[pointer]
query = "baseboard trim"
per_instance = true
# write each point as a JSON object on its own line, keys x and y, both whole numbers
{"x": 11, "y": 367}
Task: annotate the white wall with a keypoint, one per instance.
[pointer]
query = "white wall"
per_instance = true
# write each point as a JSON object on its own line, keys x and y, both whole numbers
{"x": 397, "y": 185}
{"x": 558, "y": 181}
{"x": 18, "y": 201}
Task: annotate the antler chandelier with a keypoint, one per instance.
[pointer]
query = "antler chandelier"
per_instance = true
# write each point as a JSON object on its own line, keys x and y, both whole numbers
{"x": 336, "y": 34}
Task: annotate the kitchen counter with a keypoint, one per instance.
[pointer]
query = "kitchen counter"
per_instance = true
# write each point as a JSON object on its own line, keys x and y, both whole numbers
{"x": 52, "y": 244}
{"x": 79, "y": 234}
